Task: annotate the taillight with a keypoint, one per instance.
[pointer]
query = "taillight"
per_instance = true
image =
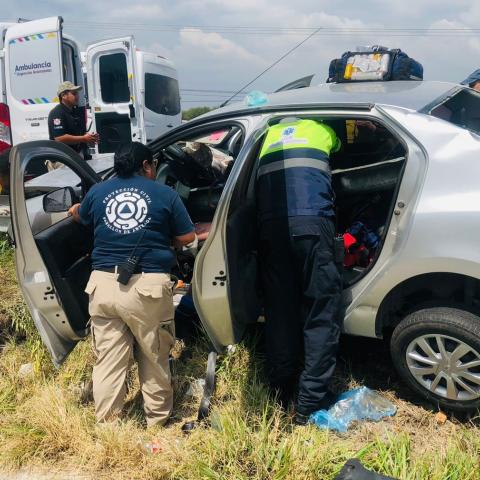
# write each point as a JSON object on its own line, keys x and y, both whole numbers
{"x": 5, "y": 131}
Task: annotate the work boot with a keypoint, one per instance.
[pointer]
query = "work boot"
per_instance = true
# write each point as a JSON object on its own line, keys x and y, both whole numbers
{"x": 328, "y": 400}
{"x": 300, "y": 420}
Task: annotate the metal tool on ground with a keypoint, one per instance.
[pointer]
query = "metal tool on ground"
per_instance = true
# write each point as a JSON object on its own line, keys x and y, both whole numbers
{"x": 208, "y": 391}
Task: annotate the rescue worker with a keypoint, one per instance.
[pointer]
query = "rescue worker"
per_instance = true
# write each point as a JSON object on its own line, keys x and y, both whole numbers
{"x": 133, "y": 217}
{"x": 473, "y": 80}
{"x": 301, "y": 282}
{"x": 66, "y": 121}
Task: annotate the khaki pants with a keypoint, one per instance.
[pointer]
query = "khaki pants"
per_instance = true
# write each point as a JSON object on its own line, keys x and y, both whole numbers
{"x": 141, "y": 314}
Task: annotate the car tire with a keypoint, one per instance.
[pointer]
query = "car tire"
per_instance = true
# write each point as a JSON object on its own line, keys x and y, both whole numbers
{"x": 436, "y": 351}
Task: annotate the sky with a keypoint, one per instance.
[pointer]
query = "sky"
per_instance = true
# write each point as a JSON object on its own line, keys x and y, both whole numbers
{"x": 218, "y": 46}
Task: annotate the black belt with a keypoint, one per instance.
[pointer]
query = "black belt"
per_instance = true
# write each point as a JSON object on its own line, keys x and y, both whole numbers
{"x": 138, "y": 269}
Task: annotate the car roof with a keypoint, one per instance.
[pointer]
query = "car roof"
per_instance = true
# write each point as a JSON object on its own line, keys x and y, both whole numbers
{"x": 414, "y": 95}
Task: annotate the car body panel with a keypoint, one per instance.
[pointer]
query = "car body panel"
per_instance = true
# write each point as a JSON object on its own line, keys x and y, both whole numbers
{"x": 412, "y": 95}
{"x": 444, "y": 217}
{"x": 436, "y": 215}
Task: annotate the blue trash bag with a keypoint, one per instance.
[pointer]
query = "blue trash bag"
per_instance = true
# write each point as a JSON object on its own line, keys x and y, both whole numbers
{"x": 256, "y": 98}
{"x": 357, "y": 404}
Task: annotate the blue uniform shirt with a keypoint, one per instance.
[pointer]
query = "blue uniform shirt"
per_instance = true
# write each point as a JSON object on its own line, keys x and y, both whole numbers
{"x": 121, "y": 208}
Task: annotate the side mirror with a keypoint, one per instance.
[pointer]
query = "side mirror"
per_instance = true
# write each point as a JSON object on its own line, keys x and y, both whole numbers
{"x": 59, "y": 200}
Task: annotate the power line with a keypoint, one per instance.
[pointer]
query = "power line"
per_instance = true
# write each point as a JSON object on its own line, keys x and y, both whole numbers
{"x": 207, "y": 90}
{"x": 276, "y": 31}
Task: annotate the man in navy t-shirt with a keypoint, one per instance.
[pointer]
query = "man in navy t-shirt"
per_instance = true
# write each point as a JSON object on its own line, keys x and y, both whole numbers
{"x": 131, "y": 214}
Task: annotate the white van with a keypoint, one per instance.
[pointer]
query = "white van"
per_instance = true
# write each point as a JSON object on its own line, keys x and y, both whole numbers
{"x": 132, "y": 94}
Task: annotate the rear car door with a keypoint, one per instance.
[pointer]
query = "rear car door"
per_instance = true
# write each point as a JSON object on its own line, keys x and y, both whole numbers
{"x": 52, "y": 252}
{"x": 114, "y": 93}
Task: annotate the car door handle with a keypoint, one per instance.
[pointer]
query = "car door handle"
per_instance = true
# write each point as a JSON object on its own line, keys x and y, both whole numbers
{"x": 132, "y": 110}
{"x": 170, "y": 126}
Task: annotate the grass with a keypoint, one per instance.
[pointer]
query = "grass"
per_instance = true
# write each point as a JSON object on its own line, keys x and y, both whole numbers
{"x": 46, "y": 426}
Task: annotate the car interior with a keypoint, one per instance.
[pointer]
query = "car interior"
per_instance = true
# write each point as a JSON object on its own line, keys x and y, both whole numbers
{"x": 366, "y": 174}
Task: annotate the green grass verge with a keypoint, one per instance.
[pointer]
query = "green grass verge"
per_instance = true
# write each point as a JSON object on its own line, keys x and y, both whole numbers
{"x": 46, "y": 424}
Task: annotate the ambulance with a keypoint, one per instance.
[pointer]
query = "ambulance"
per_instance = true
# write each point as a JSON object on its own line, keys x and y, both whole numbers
{"x": 128, "y": 94}
{"x": 131, "y": 94}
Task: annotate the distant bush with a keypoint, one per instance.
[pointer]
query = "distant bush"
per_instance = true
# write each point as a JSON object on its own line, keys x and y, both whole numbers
{"x": 194, "y": 112}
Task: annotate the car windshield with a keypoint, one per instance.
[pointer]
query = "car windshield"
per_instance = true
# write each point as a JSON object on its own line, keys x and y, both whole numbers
{"x": 462, "y": 109}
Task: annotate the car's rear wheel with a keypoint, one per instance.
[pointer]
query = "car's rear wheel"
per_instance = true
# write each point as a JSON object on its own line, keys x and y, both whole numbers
{"x": 437, "y": 352}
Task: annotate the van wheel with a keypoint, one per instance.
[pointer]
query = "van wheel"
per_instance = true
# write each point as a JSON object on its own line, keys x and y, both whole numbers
{"x": 437, "y": 353}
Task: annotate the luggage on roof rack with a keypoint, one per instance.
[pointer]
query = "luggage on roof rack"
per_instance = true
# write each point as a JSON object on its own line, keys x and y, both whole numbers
{"x": 375, "y": 63}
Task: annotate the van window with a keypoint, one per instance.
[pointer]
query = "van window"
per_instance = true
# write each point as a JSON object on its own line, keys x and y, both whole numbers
{"x": 68, "y": 64}
{"x": 161, "y": 94}
{"x": 462, "y": 109}
{"x": 114, "y": 78}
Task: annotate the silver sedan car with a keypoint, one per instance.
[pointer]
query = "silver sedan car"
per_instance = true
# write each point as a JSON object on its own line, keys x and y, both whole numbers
{"x": 407, "y": 193}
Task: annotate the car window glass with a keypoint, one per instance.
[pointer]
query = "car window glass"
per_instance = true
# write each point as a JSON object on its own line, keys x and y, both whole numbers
{"x": 114, "y": 78}
{"x": 68, "y": 65}
{"x": 461, "y": 109}
{"x": 161, "y": 94}
{"x": 43, "y": 175}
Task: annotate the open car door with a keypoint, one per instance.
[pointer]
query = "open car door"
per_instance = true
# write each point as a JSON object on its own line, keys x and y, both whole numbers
{"x": 225, "y": 286}
{"x": 52, "y": 252}
{"x": 113, "y": 93}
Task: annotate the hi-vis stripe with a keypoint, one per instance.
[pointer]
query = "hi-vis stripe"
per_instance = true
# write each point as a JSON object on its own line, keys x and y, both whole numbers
{"x": 35, "y": 101}
{"x": 292, "y": 163}
{"x": 38, "y": 36}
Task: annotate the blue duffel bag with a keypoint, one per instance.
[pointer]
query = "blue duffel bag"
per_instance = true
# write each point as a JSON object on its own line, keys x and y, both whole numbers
{"x": 375, "y": 64}
{"x": 405, "y": 68}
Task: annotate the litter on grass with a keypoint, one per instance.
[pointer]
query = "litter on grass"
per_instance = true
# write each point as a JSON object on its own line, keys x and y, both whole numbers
{"x": 354, "y": 405}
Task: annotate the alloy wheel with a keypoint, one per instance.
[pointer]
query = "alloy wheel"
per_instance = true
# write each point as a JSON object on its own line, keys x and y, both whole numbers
{"x": 446, "y": 366}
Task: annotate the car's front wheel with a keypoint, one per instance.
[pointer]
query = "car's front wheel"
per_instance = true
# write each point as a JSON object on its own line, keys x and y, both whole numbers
{"x": 437, "y": 352}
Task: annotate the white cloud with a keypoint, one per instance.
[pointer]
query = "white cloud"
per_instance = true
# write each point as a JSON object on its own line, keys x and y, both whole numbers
{"x": 216, "y": 45}
{"x": 223, "y": 60}
{"x": 137, "y": 12}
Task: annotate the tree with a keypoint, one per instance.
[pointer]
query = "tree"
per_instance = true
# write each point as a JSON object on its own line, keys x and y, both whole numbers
{"x": 194, "y": 112}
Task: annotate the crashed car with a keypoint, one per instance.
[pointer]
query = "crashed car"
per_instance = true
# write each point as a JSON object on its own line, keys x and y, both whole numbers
{"x": 407, "y": 193}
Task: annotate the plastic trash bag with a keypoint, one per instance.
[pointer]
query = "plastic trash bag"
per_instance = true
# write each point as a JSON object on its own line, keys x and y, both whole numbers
{"x": 256, "y": 98}
{"x": 358, "y": 404}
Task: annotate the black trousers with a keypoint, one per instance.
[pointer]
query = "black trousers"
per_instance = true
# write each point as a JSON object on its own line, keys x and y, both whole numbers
{"x": 302, "y": 298}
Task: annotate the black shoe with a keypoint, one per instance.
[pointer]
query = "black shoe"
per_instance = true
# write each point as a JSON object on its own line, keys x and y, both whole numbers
{"x": 328, "y": 400}
{"x": 300, "y": 419}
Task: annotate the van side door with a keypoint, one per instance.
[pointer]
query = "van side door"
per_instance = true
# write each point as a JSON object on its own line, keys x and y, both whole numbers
{"x": 114, "y": 93}
{"x": 161, "y": 95}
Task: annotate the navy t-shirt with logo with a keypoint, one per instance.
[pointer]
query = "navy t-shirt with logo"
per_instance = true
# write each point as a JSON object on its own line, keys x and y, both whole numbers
{"x": 121, "y": 208}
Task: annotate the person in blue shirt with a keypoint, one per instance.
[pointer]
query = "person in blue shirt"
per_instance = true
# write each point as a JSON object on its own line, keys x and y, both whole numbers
{"x": 133, "y": 216}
